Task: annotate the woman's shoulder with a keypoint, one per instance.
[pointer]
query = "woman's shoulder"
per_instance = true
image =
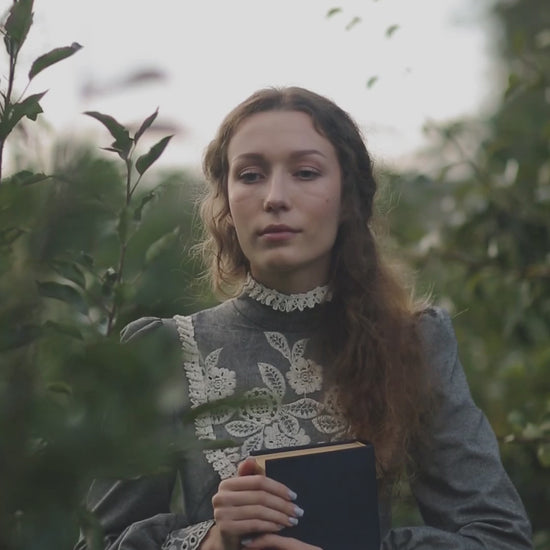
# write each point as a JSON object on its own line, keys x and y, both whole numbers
{"x": 436, "y": 332}
{"x": 434, "y": 321}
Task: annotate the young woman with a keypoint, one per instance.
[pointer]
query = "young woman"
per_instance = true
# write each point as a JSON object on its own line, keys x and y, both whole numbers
{"x": 319, "y": 329}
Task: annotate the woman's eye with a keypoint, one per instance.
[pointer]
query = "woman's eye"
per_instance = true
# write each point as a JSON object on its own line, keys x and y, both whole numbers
{"x": 307, "y": 174}
{"x": 250, "y": 176}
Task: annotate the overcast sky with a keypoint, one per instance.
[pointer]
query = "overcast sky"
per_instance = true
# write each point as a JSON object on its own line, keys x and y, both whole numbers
{"x": 214, "y": 53}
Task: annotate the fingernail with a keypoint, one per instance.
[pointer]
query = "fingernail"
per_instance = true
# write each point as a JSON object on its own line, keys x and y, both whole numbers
{"x": 293, "y": 521}
{"x": 247, "y": 541}
{"x": 292, "y": 495}
{"x": 298, "y": 511}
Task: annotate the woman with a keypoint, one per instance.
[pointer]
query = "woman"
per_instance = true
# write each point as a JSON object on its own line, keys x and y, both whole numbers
{"x": 322, "y": 332}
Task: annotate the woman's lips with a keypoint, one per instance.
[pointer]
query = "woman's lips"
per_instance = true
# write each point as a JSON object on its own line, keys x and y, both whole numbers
{"x": 277, "y": 232}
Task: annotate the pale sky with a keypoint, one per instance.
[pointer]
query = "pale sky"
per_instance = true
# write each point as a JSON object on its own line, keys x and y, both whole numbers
{"x": 214, "y": 53}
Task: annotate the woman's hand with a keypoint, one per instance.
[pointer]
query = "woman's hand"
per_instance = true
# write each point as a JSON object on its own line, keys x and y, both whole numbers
{"x": 275, "y": 542}
{"x": 248, "y": 504}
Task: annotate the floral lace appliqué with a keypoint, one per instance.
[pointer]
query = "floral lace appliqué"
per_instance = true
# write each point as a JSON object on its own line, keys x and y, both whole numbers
{"x": 286, "y": 302}
{"x": 273, "y": 415}
{"x": 265, "y": 421}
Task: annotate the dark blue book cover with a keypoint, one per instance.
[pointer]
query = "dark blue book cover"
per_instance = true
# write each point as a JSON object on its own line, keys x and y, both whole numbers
{"x": 336, "y": 489}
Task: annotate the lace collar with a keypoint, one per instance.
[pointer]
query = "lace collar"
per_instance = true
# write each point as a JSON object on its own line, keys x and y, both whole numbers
{"x": 286, "y": 302}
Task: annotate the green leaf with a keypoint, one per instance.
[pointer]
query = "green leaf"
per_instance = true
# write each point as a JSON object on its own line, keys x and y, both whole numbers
{"x": 532, "y": 432}
{"x": 122, "y": 295}
{"x": 123, "y": 141}
{"x": 12, "y": 337}
{"x": 60, "y": 387}
{"x": 70, "y": 271}
{"x": 65, "y": 293}
{"x": 86, "y": 260}
{"x": 333, "y": 11}
{"x": 144, "y": 200}
{"x": 111, "y": 150}
{"x": 543, "y": 454}
{"x": 391, "y": 30}
{"x": 518, "y": 42}
{"x": 145, "y": 125}
{"x": 61, "y": 328}
{"x": 18, "y": 24}
{"x": 52, "y": 57}
{"x": 353, "y": 22}
{"x": 160, "y": 245}
{"x": 516, "y": 419}
{"x": 514, "y": 82}
{"x": 145, "y": 161}
{"x": 9, "y": 235}
{"x": 372, "y": 81}
{"x": 26, "y": 177}
{"x": 29, "y": 107}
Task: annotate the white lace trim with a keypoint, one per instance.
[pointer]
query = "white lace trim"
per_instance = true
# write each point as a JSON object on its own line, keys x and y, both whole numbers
{"x": 195, "y": 374}
{"x": 286, "y": 302}
{"x": 198, "y": 395}
{"x": 188, "y": 538}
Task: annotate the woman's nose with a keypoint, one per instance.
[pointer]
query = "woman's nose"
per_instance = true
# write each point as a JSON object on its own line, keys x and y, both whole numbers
{"x": 276, "y": 193}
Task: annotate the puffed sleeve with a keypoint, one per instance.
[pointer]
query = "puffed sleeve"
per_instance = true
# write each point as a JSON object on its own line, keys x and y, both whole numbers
{"x": 134, "y": 514}
{"x": 464, "y": 495}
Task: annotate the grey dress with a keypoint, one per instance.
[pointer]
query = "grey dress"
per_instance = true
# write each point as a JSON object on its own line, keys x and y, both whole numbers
{"x": 257, "y": 345}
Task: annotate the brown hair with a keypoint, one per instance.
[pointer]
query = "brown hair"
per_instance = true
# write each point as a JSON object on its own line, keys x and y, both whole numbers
{"x": 370, "y": 330}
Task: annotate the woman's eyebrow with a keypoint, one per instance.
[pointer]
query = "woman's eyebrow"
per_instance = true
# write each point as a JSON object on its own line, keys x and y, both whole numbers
{"x": 294, "y": 154}
{"x": 306, "y": 152}
{"x": 248, "y": 156}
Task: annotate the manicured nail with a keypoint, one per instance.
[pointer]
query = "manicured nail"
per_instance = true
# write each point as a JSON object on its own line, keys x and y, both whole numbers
{"x": 298, "y": 511}
{"x": 292, "y": 495}
{"x": 293, "y": 521}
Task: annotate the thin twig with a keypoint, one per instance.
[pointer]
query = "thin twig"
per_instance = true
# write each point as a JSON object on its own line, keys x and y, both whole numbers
{"x": 7, "y": 104}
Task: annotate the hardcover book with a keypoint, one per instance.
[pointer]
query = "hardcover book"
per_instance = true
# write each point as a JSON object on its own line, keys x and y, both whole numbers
{"x": 337, "y": 488}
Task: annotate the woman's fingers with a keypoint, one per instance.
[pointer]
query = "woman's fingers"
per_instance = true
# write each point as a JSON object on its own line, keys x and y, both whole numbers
{"x": 228, "y": 498}
{"x": 247, "y": 527}
{"x": 253, "y": 503}
{"x": 257, "y": 482}
{"x": 259, "y": 512}
{"x": 248, "y": 467}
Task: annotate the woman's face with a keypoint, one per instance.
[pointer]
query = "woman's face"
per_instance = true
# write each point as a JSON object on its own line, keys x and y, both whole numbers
{"x": 284, "y": 191}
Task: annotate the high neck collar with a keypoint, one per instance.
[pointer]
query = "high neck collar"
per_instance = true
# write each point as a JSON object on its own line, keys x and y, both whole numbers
{"x": 286, "y": 302}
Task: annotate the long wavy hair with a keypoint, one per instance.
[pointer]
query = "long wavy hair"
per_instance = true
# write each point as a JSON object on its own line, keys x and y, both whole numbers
{"x": 370, "y": 330}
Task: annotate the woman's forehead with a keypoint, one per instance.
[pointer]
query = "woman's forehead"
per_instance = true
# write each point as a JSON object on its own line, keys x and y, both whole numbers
{"x": 288, "y": 132}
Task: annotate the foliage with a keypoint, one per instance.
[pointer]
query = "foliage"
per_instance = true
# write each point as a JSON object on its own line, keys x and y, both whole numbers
{"x": 83, "y": 250}
{"x": 475, "y": 224}
{"x": 15, "y": 31}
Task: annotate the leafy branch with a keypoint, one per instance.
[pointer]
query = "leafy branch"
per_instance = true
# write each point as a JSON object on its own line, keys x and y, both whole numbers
{"x": 15, "y": 31}
{"x": 125, "y": 146}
